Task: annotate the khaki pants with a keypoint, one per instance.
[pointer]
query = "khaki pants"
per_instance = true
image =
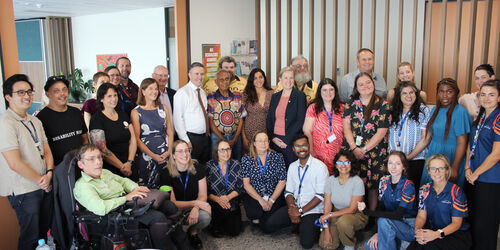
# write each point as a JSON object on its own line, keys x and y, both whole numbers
{"x": 344, "y": 228}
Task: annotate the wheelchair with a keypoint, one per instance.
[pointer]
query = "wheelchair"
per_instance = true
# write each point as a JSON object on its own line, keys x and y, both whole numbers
{"x": 74, "y": 227}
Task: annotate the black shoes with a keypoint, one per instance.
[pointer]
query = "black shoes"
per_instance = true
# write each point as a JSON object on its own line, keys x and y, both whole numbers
{"x": 195, "y": 241}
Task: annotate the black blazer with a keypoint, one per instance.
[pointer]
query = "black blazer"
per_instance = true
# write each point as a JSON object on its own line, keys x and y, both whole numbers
{"x": 294, "y": 116}
{"x": 171, "y": 93}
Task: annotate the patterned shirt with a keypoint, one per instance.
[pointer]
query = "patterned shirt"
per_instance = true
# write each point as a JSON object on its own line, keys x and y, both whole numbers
{"x": 217, "y": 182}
{"x": 411, "y": 133}
{"x": 275, "y": 171}
{"x": 226, "y": 111}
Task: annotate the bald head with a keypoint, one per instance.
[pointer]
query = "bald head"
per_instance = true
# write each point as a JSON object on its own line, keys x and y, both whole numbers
{"x": 160, "y": 74}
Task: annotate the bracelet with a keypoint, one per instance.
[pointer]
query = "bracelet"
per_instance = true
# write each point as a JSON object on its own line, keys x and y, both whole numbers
{"x": 468, "y": 169}
{"x": 49, "y": 170}
{"x": 271, "y": 200}
{"x": 129, "y": 161}
{"x": 354, "y": 148}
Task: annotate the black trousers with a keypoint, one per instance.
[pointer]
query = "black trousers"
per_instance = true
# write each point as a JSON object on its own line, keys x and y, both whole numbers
{"x": 226, "y": 220}
{"x": 288, "y": 154}
{"x": 201, "y": 147}
{"x": 459, "y": 240}
{"x": 255, "y": 211}
{"x": 308, "y": 232}
{"x": 414, "y": 172}
{"x": 34, "y": 214}
{"x": 486, "y": 215}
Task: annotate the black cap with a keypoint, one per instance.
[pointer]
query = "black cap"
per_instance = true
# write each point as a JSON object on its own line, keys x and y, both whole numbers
{"x": 53, "y": 79}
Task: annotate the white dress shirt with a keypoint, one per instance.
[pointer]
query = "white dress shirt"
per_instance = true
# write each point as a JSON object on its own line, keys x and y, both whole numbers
{"x": 188, "y": 115}
{"x": 313, "y": 184}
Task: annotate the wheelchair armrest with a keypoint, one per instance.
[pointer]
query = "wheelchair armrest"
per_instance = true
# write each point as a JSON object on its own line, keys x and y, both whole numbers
{"x": 87, "y": 217}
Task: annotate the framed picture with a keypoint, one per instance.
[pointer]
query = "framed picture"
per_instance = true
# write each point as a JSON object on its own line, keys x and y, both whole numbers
{"x": 104, "y": 61}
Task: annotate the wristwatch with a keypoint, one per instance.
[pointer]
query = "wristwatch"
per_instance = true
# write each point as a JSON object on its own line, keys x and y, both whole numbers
{"x": 300, "y": 211}
{"x": 441, "y": 233}
{"x": 364, "y": 148}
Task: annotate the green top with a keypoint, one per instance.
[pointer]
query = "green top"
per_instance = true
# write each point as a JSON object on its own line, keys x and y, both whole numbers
{"x": 100, "y": 196}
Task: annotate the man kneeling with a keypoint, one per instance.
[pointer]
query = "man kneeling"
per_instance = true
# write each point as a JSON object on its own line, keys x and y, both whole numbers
{"x": 101, "y": 191}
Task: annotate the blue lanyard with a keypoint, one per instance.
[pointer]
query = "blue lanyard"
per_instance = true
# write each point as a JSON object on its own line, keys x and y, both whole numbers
{"x": 301, "y": 179}
{"x": 262, "y": 168}
{"x": 330, "y": 116}
{"x": 480, "y": 126}
{"x": 402, "y": 123}
{"x": 227, "y": 174}
{"x": 33, "y": 134}
{"x": 184, "y": 183}
{"x": 362, "y": 114}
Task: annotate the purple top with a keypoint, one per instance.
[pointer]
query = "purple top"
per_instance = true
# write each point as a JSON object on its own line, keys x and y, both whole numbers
{"x": 90, "y": 106}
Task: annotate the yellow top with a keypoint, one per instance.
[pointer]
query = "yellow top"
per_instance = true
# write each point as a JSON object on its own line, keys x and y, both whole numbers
{"x": 309, "y": 89}
{"x": 237, "y": 85}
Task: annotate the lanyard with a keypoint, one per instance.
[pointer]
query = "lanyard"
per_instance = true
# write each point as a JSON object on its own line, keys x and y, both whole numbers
{"x": 301, "y": 179}
{"x": 402, "y": 123}
{"x": 362, "y": 114}
{"x": 330, "y": 116}
{"x": 184, "y": 183}
{"x": 33, "y": 134}
{"x": 125, "y": 91}
{"x": 480, "y": 126}
{"x": 262, "y": 168}
{"x": 227, "y": 174}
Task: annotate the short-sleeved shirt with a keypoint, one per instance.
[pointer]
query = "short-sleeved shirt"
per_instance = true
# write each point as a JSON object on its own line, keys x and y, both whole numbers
{"x": 117, "y": 135}
{"x": 90, "y": 106}
{"x": 275, "y": 171}
{"x": 488, "y": 135}
{"x": 63, "y": 129}
{"x": 226, "y": 111}
{"x": 409, "y": 133}
{"x": 402, "y": 196}
{"x": 177, "y": 183}
{"x": 313, "y": 176}
{"x": 451, "y": 202}
{"x": 341, "y": 195}
{"x": 15, "y": 136}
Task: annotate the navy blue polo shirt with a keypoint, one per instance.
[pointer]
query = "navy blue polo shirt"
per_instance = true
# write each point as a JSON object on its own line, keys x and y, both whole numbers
{"x": 451, "y": 202}
{"x": 402, "y": 196}
{"x": 489, "y": 134}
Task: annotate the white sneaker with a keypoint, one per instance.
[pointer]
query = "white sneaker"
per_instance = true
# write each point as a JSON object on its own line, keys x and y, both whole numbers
{"x": 256, "y": 221}
{"x": 348, "y": 247}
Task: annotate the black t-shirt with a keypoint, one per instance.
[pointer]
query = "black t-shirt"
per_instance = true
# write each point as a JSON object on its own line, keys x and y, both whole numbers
{"x": 116, "y": 133}
{"x": 178, "y": 187}
{"x": 63, "y": 130}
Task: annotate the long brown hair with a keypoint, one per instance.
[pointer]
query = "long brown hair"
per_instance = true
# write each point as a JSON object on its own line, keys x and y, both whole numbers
{"x": 172, "y": 164}
{"x": 141, "y": 99}
{"x": 373, "y": 100}
{"x": 453, "y": 84}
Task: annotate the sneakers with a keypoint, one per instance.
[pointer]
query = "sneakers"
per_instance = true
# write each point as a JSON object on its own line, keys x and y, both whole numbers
{"x": 195, "y": 241}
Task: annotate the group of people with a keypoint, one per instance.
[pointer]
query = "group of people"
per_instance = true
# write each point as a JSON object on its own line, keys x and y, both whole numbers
{"x": 329, "y": 160}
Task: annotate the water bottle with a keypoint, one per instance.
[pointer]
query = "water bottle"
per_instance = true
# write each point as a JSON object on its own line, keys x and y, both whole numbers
{"x": 42, "y": 245}
{"x": 50, "y": 241}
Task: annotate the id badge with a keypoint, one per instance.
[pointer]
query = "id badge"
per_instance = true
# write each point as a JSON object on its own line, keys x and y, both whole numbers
{"x": 359, "y": 140}
{"x": 38, "y": 144}
{"x": 266, "y": 197}
{"x": 331, "y": 138}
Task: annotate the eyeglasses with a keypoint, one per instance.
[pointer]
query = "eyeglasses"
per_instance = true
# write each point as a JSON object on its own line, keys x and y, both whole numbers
{"x": 180, "y": 151}
{"x": 299, "y": 147}
{"x": 440, "y": 169}
{"x": 24, "y": 92}
{"x": 93, "y": 158}
{"x": 57, "y": 78}
{"x": 224, "y": 150}
{"x": 262, "y": 141}
{"x": 343, "y": 162}
{"x": 162, "y": 75}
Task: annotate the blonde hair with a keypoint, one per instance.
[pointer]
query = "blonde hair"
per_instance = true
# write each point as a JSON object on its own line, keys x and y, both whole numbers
{"x": 401, "y": 65}
{"x": 285, "y": 69}
{"x": 253, "y": 151}
{"x": 444, "y": 159}
{"x": 172, "y": 164}
{"x": 141, "y": 99}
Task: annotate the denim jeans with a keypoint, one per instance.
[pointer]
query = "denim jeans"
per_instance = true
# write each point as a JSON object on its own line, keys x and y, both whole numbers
{"x": 394, "y": 234}
{"x": 236, "y": 149}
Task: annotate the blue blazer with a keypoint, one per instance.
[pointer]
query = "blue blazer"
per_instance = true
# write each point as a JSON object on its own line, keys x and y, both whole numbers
{"x": 294, "y": 116}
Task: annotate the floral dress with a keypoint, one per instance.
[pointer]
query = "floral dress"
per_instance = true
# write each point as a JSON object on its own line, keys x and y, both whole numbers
{"x": 372, "y": 165}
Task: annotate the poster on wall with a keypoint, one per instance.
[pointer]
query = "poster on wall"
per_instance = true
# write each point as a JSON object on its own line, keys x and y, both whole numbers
{"x": 245, "y": 54}
{"x": 211, "y": 56}
{"x": 104, "y": 61}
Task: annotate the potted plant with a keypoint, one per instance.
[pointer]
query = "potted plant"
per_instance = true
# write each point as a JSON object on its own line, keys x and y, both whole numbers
{"x": 79, "y": 89}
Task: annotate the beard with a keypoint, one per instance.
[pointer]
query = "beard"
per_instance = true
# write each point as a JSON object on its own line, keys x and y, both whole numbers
{"x": 303, "y": 77}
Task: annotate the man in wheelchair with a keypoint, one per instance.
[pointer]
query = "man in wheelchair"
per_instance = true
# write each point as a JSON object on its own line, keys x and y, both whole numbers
{"x": 100, "y": 191}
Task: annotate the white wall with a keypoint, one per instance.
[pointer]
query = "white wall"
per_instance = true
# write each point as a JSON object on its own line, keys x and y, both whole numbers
{"x": 139, "y": 33}
{"x": 220, "y": 21}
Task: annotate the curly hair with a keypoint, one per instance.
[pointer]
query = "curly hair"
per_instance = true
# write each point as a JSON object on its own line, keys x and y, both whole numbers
{"x": 397, "y": 104}
{"x": 350, "y": 156}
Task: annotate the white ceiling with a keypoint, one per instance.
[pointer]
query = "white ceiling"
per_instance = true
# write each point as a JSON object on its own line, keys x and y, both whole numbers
{"x": 24, "y": 9}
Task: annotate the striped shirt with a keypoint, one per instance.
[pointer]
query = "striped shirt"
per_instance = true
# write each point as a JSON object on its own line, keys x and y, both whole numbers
{"x": 411, "y": 133}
